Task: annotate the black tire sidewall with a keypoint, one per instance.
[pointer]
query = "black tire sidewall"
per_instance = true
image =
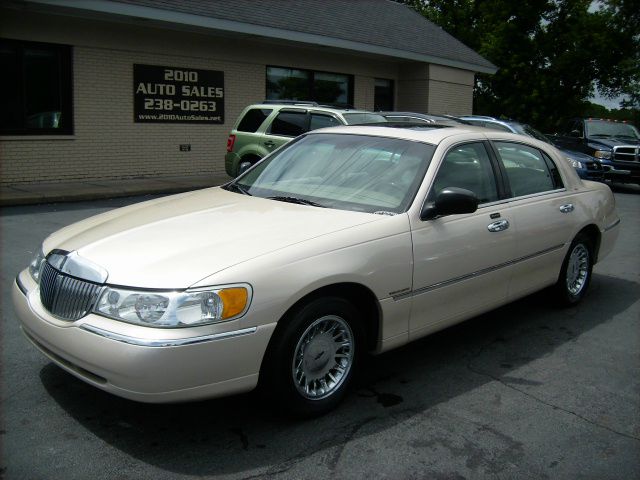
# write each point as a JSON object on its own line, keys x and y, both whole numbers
{"x": 277, "y": 379}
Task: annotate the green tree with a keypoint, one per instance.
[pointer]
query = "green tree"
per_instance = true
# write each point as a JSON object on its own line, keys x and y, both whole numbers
{"x": 551, "y": 54}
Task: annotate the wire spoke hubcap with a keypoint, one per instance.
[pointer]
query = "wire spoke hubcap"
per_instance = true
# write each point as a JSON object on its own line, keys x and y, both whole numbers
{"x": 323, "y": 357}
{"x": 577, "y": 269}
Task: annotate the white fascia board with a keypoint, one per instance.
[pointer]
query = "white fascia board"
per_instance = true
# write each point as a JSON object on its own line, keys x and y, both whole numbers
{"x": 209, "y": 23}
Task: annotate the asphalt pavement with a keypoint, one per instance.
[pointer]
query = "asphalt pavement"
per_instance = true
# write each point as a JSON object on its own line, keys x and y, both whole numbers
{"x": 526, "y": 391}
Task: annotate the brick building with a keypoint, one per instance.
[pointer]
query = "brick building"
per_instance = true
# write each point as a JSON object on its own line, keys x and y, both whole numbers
{"x": 101, "y": 89}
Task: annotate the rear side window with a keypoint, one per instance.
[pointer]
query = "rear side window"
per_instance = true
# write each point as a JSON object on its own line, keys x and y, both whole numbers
{"x": 529, "y": 171}
{"x": 289, "y": 124}
{"x": 253, "y": 119}
{"x": 322, "y": 121}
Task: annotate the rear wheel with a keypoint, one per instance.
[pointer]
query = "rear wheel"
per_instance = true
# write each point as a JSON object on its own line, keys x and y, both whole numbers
{"x": 576, "y": 271}
{"x": 312, "y": 360}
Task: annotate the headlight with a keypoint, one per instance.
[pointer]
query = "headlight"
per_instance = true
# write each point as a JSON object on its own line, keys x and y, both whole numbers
{"x": 35, "y": 267}
{"x": 174, "y": 309}
{"x": 606, "y": 154}
{"x": 574, "y": 163}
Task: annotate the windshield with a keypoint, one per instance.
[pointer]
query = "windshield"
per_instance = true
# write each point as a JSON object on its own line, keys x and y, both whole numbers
{"x": 343, "y": 171}
{"x": 603, "y": 128}
{"x": 528, "y": 130}
{"x": 363, "y": 117}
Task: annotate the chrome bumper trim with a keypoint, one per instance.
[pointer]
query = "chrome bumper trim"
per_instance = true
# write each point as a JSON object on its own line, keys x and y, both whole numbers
{"x": 613, "y": 225}
{"x": 172, "y": 342}
{"x": 21, "y": 286}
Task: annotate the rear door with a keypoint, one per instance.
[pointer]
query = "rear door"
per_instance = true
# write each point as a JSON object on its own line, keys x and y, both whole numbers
{"x": 544, "y": 214}
{"x": 287, "y": 124}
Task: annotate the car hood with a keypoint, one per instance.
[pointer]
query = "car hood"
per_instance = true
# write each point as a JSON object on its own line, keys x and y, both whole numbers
{"x": 612, "y": 142}
{"x": 173, "y": 242}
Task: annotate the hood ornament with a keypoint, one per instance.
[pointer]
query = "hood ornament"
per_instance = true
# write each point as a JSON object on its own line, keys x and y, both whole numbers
{"x": 76, "y": 266}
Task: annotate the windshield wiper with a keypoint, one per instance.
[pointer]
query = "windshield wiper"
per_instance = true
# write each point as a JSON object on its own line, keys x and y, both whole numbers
{"x": 234, "y": 187}
{"x": 301, "y": 201}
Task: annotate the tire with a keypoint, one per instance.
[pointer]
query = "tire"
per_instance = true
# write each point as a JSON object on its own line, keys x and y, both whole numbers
{"x": 576, "y": 271}
{"x": 311, "y": 361}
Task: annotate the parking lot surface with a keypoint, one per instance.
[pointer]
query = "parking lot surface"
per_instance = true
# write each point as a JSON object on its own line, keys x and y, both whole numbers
{"x": 525, "y": 391}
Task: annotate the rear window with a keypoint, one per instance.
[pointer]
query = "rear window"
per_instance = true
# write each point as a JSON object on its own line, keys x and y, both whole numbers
{"x": 253, "y": 119}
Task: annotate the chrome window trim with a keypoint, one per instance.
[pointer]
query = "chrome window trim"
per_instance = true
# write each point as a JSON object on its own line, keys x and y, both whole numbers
{"x": 170, "y": 342}
{"x": 477, "y": 273}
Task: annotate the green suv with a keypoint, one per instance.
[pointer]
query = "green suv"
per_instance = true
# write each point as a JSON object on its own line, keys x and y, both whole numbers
{"x": 263, "y": 127}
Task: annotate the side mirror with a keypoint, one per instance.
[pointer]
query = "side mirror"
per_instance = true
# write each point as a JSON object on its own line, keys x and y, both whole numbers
{"x": 576, "y": 133}
{"x": 450, "y": 201}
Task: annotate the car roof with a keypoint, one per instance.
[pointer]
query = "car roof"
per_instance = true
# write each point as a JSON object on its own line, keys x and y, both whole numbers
{"x": 433, "y": 134}
{"x": 307, "y": 106}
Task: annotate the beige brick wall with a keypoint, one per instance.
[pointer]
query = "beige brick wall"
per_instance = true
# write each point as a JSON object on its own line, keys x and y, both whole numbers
{"x": 450, "y": 91}
{"x": 108, "y": 144}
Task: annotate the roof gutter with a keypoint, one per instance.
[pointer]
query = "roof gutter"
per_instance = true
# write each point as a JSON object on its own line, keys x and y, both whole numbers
{"x": 107, "y": 7}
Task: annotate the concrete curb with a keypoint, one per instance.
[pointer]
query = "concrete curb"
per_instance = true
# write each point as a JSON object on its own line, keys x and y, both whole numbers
{"x": 33, "y": 194}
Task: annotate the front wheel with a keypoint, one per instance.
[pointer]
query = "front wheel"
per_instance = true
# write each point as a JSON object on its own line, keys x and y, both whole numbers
{"x": 576, "y": 271}
{"x": 311, "y": 362}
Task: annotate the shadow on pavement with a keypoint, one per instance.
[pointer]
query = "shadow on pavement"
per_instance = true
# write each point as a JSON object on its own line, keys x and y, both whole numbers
{"x": 238, "y": 434}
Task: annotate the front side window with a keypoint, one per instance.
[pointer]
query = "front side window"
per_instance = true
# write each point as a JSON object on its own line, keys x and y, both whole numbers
{"x": 35, "y": 88}
{"x": 529, "y": 171}
{"x": 362, "y": 118}
{"x": 467, "y": 166}
{"x": 348, "y": 172}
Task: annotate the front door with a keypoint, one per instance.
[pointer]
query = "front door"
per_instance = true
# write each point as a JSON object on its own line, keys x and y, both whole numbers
{"x": 462, "y": 262}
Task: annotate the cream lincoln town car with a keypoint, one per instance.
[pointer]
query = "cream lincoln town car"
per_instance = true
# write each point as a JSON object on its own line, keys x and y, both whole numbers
{"x": 346, "y": 240}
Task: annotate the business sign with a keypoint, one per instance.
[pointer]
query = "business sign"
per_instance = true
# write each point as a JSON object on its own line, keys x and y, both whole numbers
{"x": 177, "y": 95}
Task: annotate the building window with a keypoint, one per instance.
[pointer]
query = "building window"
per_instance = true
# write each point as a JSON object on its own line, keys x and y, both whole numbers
{"x": 296, "y": 84}
{"x": 35, "y": 88}
{"x": 383, "y": 98}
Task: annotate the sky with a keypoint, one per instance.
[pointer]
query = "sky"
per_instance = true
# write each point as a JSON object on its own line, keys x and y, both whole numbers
{"x": 606, "y": 102}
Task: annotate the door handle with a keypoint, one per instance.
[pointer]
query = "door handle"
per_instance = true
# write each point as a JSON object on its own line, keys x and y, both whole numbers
{"x": 566, "y": 208}
{"x": 498, "y": 226}
{"x": 269, "y": 144}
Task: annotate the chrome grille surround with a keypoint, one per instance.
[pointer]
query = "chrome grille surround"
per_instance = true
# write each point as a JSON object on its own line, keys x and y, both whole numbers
{"x": 626, "y": 153}
{"x": 64, "y": 296}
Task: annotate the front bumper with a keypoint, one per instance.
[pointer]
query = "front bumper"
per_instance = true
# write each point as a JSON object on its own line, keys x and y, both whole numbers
{"x": 627, "y": 172}
{"x": 142, "y": 363}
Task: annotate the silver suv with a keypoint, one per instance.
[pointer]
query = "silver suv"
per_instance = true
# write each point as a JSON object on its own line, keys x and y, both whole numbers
{"x": 263, "y": 127}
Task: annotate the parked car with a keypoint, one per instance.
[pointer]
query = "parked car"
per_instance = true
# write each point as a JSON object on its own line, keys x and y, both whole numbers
{"x": 263, "y": 127}
{"x": 346, "y": 240}
{"x": 615, "y": 145}
{"x": 586, "y": 166}
{"x": 419, "y": 118}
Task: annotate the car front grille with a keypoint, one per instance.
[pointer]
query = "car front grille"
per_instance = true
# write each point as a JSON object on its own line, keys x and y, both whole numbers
{"x": 626, "y": 153}
{"x": 64, "y": 296}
